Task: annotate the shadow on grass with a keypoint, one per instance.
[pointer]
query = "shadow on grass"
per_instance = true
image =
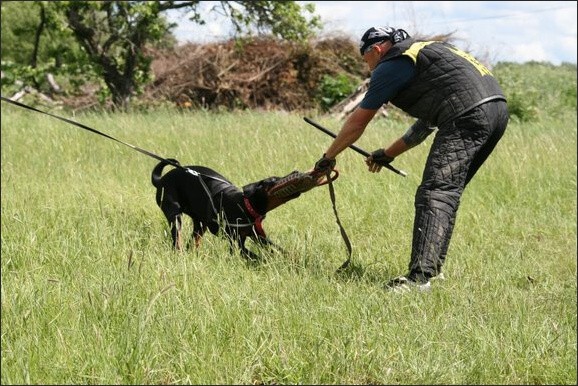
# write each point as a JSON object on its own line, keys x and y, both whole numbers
{"x": 357, "y": 272}
{"x": 350, "y": 271}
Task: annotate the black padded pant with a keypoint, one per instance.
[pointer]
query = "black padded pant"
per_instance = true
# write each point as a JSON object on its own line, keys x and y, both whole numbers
{"x": 458, "y": 150}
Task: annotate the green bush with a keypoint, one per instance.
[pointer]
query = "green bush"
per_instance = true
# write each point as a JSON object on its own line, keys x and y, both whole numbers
{"x": 536, "y": 90}
{"x": 333, "y": 89}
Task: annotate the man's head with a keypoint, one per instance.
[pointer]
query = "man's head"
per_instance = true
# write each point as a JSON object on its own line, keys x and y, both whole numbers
{"x": 376, "y": 41}
{"x": 376, "y": 35}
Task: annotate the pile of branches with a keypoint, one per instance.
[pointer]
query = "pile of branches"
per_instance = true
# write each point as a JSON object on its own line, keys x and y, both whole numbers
{"x": 262, "y": 73}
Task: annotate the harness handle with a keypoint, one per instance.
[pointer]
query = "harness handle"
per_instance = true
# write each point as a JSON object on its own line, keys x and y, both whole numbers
{"x": 328, "y": 178}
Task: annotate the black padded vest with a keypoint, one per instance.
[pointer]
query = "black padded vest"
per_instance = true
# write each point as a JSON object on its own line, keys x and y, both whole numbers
{"x": 448, "y": 82}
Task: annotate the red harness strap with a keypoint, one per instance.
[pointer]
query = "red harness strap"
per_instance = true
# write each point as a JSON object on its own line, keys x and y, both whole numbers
{"x": 256, "y": 216}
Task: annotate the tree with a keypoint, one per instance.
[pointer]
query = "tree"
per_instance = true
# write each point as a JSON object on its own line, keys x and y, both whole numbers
{"x": 114, "y": 33}
{"x": 35, "y": 45}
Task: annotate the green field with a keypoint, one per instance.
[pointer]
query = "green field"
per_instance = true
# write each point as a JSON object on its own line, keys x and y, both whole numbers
{"x": 93, "y": 294}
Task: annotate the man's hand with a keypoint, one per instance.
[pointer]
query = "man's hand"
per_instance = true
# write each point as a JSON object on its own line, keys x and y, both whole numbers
{"x": 323, "y": 166}
{"x": 377, "y": 159}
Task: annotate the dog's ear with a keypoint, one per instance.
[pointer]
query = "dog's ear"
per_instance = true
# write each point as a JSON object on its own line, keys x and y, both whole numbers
{"x": 259, "y": 186}
{"x": 250, "y": 189}
{"x": 257, "y": 193}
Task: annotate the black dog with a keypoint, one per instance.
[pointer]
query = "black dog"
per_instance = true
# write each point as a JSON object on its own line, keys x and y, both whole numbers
{"x": 214, "y": 203}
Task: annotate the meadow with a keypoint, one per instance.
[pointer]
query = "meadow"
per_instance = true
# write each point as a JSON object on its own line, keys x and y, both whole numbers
{"x": 93, "y": 294}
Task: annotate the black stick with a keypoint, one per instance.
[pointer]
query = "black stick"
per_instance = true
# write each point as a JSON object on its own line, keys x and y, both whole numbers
{"x": 357, "y": 149}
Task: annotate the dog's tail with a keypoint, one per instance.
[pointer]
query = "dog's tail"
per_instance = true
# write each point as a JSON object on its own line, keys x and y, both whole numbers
{"x": 158, "y": 171}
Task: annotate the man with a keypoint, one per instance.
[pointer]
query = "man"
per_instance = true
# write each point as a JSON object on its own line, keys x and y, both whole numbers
{"x": 442, "y": 87}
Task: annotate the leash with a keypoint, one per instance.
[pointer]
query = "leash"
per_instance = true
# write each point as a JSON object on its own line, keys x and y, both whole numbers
{"x": 341, "y": 229}
{"x": 146, "y": 152}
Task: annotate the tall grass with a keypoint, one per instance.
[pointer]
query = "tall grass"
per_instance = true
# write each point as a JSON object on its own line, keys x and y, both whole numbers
{"x": 93, "y": 294}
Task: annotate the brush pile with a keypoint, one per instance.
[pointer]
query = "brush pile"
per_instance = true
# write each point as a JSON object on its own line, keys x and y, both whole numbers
{"x": 260, "y": 74}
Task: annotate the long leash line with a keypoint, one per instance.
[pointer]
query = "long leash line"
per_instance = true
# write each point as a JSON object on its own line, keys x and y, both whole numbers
{"x": 146, "y": 152}
{"x": 82, "y": 126}
{"x": 143, "y": 151}
{"x": 341, "y": 229}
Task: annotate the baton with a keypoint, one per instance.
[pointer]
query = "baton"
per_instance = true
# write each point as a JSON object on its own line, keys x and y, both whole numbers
{"x": 357, "y": 149}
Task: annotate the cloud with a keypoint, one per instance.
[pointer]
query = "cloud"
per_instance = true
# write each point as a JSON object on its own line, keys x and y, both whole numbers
{"x": 532, "y": 51}
{"x": 499, "y": 30}
{"x": 513, "y": 31}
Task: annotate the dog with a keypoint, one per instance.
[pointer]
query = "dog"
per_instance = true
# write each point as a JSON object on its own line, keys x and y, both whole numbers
{"x": 214, "y": 203}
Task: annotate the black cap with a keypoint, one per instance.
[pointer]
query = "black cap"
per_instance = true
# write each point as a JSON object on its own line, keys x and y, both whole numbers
{"x": 380, "y": 34}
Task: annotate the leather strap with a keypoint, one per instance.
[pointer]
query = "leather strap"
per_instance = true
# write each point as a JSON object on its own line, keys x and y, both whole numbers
{"x": 341, "y": 229}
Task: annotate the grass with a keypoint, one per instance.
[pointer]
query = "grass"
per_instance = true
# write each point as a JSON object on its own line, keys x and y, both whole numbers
{"x": 93, "y": 294}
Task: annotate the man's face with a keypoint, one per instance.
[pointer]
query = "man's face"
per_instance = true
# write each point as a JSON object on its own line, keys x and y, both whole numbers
{"x": 374, "y": 53}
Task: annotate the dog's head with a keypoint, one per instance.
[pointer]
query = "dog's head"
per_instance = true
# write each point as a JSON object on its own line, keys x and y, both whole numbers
{"x": 258, "y": 193}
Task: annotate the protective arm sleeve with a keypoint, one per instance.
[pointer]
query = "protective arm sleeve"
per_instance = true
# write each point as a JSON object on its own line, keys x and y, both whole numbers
{"x": 417, "y": 133}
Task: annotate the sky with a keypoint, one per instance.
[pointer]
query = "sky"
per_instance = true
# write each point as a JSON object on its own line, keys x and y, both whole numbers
{"x": 494, "y": 31}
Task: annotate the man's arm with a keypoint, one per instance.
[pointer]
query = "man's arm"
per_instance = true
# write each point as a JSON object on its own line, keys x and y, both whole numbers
{"x": 386, "y": 80}
{"x": 350, "y": 132}
{"x": 415, "y": 135}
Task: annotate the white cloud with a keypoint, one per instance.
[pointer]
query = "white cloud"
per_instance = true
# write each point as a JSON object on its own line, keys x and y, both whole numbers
{"x": 525, "y": 52}
{"x": 510, "y": 31}
{"x": 514, "y": 31}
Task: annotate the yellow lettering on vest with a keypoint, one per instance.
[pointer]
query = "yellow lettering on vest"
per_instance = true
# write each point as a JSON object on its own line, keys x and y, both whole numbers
{"x": 479, "y": 66}
{"x": 414, "y": 49}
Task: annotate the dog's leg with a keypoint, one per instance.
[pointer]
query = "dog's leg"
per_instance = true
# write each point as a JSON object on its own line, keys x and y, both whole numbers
{"x": 173, "y": 213}
{"x": 198, "y": 230}
{"x": 247, "y": 254}
{"x": 236, "y": 240}
{"x": 266, "y": 242}
{"x": 176, "y": 224}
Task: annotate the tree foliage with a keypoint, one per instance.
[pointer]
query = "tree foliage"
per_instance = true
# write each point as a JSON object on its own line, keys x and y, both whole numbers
{"x": 113, "y": 35}
{"x": 35, "y": 43}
